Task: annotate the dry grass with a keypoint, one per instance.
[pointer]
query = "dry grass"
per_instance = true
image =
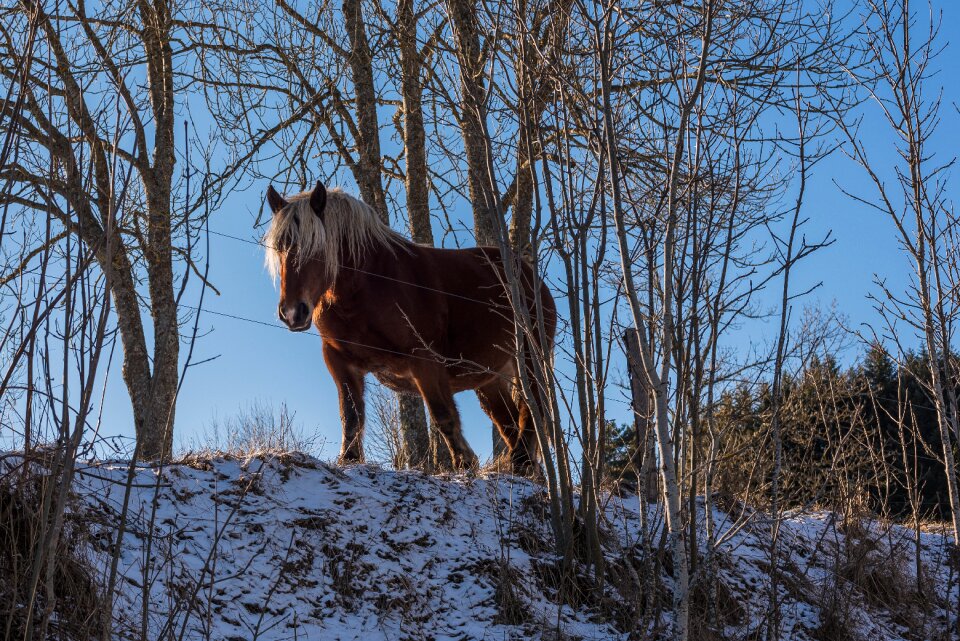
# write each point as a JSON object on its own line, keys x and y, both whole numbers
{"x": 880, "y": 572}
{"x": 511, "y": 607}
{"x": 205, "y": 459}
{"x": 66, "y": 600}
{"x": 872, "y": 569}
{"x": 713, "y": 608}
{"x": 256, "y": 431}
{"x": 497, "y": 466}
{"x": 384, "y": 442}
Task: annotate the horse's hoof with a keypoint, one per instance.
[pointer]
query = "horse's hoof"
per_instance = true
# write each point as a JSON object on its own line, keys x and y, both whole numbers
{"x": 468, "y": 464}
{"x": 527, "y": 469}
{"x": 350, "y": 458}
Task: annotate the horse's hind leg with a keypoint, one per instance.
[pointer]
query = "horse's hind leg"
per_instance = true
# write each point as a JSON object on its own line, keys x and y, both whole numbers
{"x": 512, "y": 418}
{"x": 496, "y": 403}
{"x": 435, "y": 389}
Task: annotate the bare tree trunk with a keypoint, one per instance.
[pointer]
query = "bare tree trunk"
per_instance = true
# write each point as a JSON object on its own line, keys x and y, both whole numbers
{"x": 416, "y": 444}
{"x": 476, "y": 144}
{"x": 523, "y": 179}
{"x": 158, "y": 181}
{"x": 367, "y": 170}
{"x": 644, "y": 456}
{"x": 897, "y": 78}
{"x": 414, "y": 137}
{"x": 85, "y": 140}
{"x": 368, "y": 167}
{"x": 418, "y": 209}
{"x": 473, "y": 116}
{"x": 659, "y": 380}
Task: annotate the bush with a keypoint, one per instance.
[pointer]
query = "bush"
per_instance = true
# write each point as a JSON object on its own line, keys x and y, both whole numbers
{"x": 46, "y": 585}
{"x": 256, "y": 430}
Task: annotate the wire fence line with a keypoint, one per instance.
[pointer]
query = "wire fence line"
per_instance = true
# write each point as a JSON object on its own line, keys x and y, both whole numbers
{"x": 365, "y": 272}
{"x": 396, "y": 280}
{"x": 255, "y": 321}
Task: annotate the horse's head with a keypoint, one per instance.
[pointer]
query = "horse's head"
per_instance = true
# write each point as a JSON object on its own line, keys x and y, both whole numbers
{"x": 295, "y": 252}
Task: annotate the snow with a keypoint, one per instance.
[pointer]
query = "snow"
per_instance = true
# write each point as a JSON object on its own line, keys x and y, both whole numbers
{"x": 290, "y": 547}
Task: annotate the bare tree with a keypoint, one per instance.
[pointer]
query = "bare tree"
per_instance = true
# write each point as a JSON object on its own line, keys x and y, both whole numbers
{"x": 898, "y": 78}
{"x": 98, "y": 105}
{"x": 331, "y": 112}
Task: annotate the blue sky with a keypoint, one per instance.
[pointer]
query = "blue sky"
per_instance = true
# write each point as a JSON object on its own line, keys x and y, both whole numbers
{"x": 246, "y": 362}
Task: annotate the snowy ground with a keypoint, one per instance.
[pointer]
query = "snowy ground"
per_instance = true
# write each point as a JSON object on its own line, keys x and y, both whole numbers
{"x": 293, "y": 548}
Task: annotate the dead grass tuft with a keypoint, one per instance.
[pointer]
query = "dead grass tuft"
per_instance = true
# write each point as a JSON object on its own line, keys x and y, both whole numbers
{"x": 836, "y": 616}
{"x": 285, "y": 460}
{"x": 497, "y": 466}
{"x": 879, "y": 570}
{"x": 511, "y": 607}
{"x": 257, "y": 431}
{"x": 67, "y": 603}
{"x": 712, "y": 609}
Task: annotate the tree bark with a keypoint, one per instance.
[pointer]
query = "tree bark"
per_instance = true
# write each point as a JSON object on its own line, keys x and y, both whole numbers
{"x": 368, "y": 167}
{"x": 92, "y": 210}
{"x": 417, "y": 186}
{"x": 157, "y": 426}
{"x": 476, "y": 144}
{"x": 644, "y": 457}
{"x": 473, "y": 116}
{"x": 414, "y": 439}
{"x": 367, "y": 172}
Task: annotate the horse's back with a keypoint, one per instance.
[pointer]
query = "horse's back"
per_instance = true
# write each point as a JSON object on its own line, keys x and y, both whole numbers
{"x": 477, "y": 278}
{"x": 465, "y": 270}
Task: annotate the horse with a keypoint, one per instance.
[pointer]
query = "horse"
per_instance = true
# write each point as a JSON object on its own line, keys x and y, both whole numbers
{"x": 421, "y": 319}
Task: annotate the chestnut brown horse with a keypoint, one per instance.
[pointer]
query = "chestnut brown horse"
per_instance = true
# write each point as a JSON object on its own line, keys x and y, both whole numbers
{"x": 425, "y": 320}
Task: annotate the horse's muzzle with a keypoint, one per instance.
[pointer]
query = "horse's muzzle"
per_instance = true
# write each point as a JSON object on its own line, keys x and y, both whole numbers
{"x": 296, "y": 317}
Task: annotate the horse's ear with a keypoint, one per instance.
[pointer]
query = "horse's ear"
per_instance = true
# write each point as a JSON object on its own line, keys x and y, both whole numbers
{"x": 318, "y": 199}
{"x": 275, "y": 200}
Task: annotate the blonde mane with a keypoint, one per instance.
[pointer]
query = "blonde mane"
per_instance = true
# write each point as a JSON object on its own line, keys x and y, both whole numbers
{"x": 349, "y": 226}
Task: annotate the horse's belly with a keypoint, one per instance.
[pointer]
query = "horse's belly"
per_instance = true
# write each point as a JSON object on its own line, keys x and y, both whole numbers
{"x": 396, "y": 382}
{"x": 464, "y": 378}
{"x": 461, "y": 378}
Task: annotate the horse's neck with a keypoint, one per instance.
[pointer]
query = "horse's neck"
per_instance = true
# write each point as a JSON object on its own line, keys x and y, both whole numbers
{"x": 355, "y": 274}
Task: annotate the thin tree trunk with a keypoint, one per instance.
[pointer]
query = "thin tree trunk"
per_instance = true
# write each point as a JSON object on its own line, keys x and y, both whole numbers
{"x": 436, "y": 455}
{"x": 367, "y": 168}
{"x": 644, "y": 455}
{"x": 473, "y": 115}
{"x": 158, "y": 180}
{"x": 415, "y": 442}
{"x": 367, "y": 171}
{"x": 476, "y": 143}
{"x": 659, "y": 381}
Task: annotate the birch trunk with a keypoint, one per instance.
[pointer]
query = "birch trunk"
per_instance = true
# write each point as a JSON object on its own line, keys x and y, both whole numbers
{"x": 659, "y": 380}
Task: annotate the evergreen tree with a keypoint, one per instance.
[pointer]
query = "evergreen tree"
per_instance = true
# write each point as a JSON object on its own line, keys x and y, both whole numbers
{"x": 620, "y": 452}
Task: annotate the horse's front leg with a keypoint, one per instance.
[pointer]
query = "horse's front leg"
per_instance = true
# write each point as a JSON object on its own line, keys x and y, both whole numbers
{"x": 349, "y": 381}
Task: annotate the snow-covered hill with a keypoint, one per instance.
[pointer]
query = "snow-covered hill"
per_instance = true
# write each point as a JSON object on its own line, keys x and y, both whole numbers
{"x": 292, "y": 548}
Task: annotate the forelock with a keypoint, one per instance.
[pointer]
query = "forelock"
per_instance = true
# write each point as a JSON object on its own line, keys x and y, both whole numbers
{"x": 348, "y": 226}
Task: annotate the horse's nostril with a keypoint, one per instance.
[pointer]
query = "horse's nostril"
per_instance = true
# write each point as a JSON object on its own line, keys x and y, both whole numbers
{"x": 294, "y": 316}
